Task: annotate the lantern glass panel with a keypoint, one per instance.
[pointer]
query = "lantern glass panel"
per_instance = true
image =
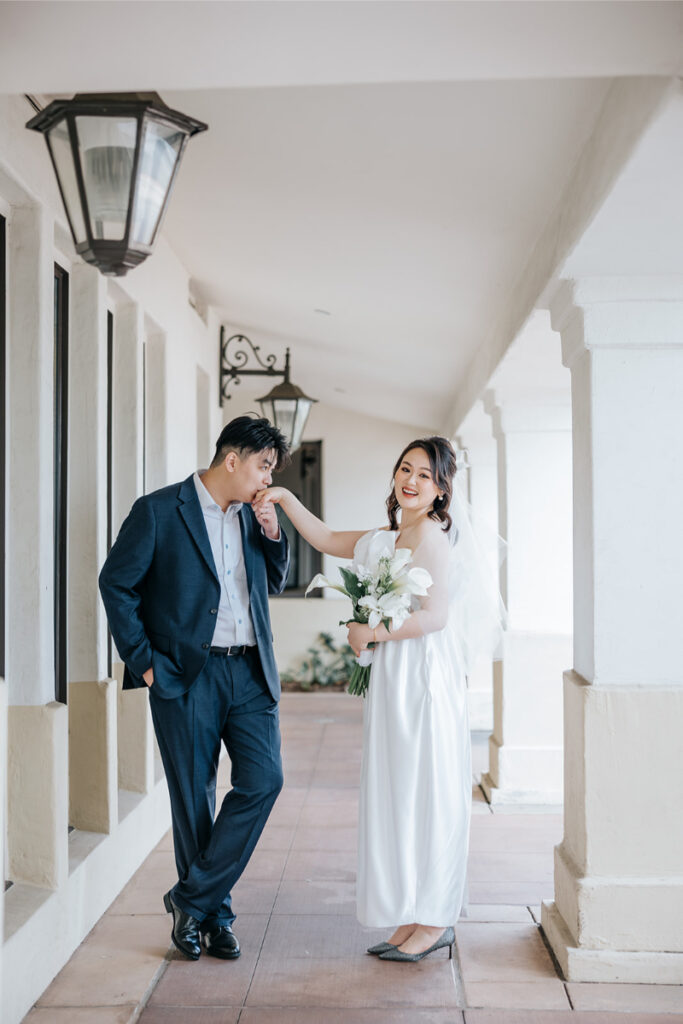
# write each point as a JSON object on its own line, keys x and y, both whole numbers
{"x": 284, "y": 415}
{"x": 107, "y": 152}
{"x": 267, "y": 409}
{"x": 302, "y": 411}
{"x": 60, "y": 147}
{"x": 160, "y": 148}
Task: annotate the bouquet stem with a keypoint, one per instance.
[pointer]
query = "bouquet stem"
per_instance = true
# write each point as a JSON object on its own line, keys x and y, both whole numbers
{"x": 360, "y": 677}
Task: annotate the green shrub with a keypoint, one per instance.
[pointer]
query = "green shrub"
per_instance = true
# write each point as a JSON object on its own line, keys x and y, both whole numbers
{"x": 324, "y": 663}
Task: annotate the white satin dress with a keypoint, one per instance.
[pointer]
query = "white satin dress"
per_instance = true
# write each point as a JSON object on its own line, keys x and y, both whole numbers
{"x": 416, "y": 775}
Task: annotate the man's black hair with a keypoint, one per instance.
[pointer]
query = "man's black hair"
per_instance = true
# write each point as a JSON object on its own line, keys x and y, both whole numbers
{"x": 249, "y": 434}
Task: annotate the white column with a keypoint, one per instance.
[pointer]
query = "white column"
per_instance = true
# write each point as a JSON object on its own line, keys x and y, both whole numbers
{"x": 618, "y": 908}
{"x": 135, "y": 735}
{"x": 30, "y": 423}
{"x": 482, "y": 491}
{"x": 534, "y": 488}
{"x": 37, "y": 741}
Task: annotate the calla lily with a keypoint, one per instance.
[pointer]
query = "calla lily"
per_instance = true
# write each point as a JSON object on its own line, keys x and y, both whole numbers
{"x": 322, "y": 581}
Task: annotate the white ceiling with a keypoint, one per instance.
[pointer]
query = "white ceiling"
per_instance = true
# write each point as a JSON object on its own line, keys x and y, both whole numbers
{"x": 399, "y": 180}
{"x": 403, "y": 210}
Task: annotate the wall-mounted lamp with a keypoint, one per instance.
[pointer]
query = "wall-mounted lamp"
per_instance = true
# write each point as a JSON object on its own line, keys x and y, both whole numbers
{"x": 116, "y": 156}
{"x": 285, "y": 405}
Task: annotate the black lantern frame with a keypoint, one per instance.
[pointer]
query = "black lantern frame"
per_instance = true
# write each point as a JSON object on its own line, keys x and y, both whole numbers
{"x": 285, "y": 405}
{"x": 113, "y": 256}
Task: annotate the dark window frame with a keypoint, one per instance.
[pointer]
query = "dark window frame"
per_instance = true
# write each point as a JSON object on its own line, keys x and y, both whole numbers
{"x": 311, "y": 453}
{"x": 61, "y": 470}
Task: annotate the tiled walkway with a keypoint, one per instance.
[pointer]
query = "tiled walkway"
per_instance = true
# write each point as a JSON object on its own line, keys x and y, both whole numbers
{"x": 304, "y": 960}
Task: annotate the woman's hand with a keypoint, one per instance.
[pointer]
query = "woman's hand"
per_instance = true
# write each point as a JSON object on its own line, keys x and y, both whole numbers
{"x": 270, "y": 494}
{"x": 360, "y": 635}
{"x": 266, "y": 516}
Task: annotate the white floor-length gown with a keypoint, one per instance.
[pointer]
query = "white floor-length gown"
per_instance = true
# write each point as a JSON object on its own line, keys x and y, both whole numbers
{"x": 416, "y": 776}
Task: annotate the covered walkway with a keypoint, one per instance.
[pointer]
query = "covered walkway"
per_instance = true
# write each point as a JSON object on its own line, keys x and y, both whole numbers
{"x": 304, "y": 960}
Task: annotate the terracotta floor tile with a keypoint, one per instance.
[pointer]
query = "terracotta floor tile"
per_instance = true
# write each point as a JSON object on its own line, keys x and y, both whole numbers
{"x": 512, "y": 914}
{"x": 510, "y": 995}
{"x": 503, "y": 953}
{"x": 329, "y": 1015}
{"x": 329, "y": 838}
{"x": 207, "y": 982}
{"x": 210, "y": 981}
{"x": 114, "y": 965}
{"x": 324, "y": 795}
{"x": 523, "y": 893}
{"x": 362, "y": 982}
{"x": 254, "y": 896}
{"x": 299, "y": 776}
{"x": 511, "y": 865}
{"x": 335, "y": 813}
{"x": 276, "y": 837}
{"x": 551, "y": 1017}
{"x": 318, "y": 936}
{"x": 265, "y": 865}
{"x": 320, "y": 865}
{"x": 166, "y": 843}
{"x": 144, "y": 893}
{"x": 625, "y": 997}
{"x": 343, "y": 783}
{"x": 486, "y": 839}
{"x": 316, "y": 897}
{"x": 190, "y": 1015}
{"x": 81, "y": 1015}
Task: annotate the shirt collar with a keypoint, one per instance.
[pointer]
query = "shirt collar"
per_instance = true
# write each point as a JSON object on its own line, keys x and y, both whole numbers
{"x": 207, "y": 502}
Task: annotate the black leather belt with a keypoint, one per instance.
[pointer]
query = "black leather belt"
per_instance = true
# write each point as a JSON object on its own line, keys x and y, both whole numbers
{"x": 229, "y": 652}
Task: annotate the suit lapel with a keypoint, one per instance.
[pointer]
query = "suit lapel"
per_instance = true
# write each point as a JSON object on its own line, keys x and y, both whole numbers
{"x": 247, "y": 546}
{"x": 191, "y": 511}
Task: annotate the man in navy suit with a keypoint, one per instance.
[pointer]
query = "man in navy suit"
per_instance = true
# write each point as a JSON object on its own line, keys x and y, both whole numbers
{"x": 186, "y": 588}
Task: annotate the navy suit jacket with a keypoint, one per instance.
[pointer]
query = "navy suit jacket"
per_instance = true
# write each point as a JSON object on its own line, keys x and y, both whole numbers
{"x": 161, "y": 591}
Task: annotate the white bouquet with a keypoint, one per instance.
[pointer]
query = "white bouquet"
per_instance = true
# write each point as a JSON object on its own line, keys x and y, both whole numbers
{"x": 380, "y": 592}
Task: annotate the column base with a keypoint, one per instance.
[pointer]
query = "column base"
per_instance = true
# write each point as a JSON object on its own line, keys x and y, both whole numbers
{"x": 580, "y": 964}
{"x": 497, "y": 795}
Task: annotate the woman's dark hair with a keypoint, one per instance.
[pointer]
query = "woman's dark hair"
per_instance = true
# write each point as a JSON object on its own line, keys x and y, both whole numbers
{"x": 250, "y": 434}
{"x": 439, "y": 451}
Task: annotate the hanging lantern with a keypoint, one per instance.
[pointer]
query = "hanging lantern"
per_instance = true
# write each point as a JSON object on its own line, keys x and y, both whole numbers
{"x": 116, "y": 157}
{"x": 285, "y": 405}
{"x": 287, "y": 408}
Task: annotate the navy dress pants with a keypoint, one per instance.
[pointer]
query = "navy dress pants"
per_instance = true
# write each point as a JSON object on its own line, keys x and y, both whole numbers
{"x": 229, "y": 702}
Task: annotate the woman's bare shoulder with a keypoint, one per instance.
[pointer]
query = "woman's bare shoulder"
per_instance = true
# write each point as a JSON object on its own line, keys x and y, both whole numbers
{"x": 431, "y": 534}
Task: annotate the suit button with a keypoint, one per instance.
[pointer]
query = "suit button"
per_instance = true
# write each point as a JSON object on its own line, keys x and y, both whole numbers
{"x": 205, "y": 647}
{"x": 213, "y": 611}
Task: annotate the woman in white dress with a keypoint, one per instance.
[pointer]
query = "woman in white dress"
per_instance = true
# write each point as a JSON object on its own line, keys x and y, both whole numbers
{"x": 415, "y": 796}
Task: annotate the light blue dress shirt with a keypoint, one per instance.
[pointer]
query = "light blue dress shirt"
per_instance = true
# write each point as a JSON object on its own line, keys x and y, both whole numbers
{"x": 233, "y": 622}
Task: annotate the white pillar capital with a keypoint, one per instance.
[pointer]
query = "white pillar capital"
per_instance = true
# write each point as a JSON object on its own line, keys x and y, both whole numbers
{"x": 528, "y": 412}
{"x": 619, "y": 312}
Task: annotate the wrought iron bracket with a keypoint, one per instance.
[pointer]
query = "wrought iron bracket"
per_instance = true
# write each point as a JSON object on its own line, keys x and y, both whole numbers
{"x": 234, "y": 363}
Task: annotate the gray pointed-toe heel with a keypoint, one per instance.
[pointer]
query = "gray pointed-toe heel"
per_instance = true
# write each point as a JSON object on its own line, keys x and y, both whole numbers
{"x": 381, "y": 947}
{"x": 447, "y": 939}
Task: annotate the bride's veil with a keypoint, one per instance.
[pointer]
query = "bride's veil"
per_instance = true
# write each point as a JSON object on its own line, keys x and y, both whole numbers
{"x": 477, "y": 615}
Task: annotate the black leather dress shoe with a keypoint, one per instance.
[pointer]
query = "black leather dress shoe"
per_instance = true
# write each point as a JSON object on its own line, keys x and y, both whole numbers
{"x": 185, "y": 933}
{"x": 221, "y": 942}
